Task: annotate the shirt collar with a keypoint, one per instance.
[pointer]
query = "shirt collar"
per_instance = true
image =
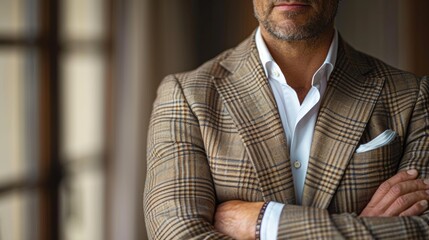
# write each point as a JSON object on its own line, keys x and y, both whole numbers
{"x": 265, "y": 56}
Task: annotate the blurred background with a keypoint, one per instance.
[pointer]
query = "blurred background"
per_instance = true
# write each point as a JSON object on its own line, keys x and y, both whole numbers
{"x": 77, "y": 81}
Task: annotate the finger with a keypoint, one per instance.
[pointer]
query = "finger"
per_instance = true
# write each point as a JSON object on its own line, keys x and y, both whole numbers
{"x": 416, "y": 210}
{"x": 405, "y": 202}
{"x": 386, "y": 185}
{"x": 401, "y": 192}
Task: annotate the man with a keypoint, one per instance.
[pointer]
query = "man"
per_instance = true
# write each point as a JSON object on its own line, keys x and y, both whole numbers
{"x": 292, "y": 134}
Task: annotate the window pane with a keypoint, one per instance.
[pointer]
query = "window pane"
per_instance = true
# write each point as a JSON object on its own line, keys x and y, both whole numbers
{"x": 83, "y": 19}
{"x": 18, "y": 216}
{"x": 18, "y": 17}
{"x": 18, "y": 114}
{"x": 82, "y": 196}
{"x": 82, "y": 104}
{"x": 82, "y": 191}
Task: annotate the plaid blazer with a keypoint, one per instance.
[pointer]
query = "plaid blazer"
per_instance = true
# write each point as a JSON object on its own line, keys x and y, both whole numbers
{"x": 216, "y": 135}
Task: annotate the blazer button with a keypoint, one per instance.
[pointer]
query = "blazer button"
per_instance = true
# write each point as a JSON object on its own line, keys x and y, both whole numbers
{"x": 297, "y": 164}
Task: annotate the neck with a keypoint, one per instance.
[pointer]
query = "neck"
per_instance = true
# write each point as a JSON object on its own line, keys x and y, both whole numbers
{"x": 299, "y": 60}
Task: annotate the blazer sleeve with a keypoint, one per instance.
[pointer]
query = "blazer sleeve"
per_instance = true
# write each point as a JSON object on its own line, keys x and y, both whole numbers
{"x": 179, "y": 198}
{"x": 313, "y": 223}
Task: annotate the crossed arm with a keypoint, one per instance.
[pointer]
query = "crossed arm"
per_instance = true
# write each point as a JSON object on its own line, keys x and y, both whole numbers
{"x": 396, "y": 210}
{"x": 401, "y": 195}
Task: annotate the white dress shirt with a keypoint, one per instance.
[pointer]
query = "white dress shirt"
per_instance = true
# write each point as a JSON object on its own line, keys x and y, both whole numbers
{"x": 298, "y": 122}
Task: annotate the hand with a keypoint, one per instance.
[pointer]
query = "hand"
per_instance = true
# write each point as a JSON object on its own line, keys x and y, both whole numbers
{"x": 237, "y": 219}
{"x": 400, "y": 195}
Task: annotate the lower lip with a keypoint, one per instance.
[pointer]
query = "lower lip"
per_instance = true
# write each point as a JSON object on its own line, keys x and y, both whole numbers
{"x": 291, "y": 7}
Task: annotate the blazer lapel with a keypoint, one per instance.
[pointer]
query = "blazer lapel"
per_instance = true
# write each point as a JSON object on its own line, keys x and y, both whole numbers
{"x": 247, "y": 96}
{"x": 345, "y": 111}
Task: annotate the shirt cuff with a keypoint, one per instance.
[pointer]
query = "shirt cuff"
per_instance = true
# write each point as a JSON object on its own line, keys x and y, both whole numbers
{"x": 270, "y": 221}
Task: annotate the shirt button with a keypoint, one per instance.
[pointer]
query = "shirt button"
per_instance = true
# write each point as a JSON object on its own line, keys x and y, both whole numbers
{"x": 297, "y": 164}
{"x": 276, "y": 74}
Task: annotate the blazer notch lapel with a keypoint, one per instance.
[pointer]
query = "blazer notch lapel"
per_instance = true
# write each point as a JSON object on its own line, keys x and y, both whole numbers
{"x": 345, "y": 111}
{"x": 248, "y": 99}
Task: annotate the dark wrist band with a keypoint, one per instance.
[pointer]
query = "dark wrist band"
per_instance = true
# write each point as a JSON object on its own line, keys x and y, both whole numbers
{"x": 259, "y": 220}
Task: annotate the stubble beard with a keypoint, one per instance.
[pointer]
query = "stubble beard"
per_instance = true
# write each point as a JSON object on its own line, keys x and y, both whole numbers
{"x": 311, "y": 30}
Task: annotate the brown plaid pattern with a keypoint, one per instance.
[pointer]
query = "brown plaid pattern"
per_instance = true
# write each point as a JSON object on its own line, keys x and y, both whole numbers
{"x": 215, "y": 135}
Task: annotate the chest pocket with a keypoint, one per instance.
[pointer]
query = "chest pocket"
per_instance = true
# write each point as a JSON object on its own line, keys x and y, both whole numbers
{"x": 365, "y": 173}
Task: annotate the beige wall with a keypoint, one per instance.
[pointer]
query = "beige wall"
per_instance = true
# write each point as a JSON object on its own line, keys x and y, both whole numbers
{"x": 392, "y": 30}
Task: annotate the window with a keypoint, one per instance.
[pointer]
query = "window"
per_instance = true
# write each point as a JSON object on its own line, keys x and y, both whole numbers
{"x": 54, "y": 82}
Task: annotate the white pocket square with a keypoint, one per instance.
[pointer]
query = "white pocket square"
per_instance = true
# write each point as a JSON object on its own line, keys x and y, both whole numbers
{"x": 384, "y": 138}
